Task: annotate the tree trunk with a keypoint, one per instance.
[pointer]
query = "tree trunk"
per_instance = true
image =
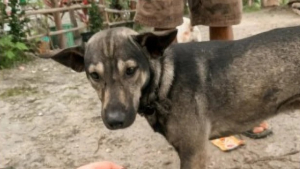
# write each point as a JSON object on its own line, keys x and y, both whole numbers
{"x": 133, "y": 4}
{"x": 73, "y": 20}
{"x": 250, "y": 2}
{"x": 58, "y": 24}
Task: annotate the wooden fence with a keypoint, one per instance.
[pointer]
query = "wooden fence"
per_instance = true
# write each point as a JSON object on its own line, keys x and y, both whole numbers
{"x": 60, "y": 32}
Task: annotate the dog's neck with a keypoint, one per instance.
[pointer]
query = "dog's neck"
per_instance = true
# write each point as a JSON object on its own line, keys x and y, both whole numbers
{"x": 154, "y": 102}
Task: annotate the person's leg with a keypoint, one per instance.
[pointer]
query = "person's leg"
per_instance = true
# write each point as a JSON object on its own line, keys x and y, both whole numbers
{"x": 159, "y": 14}
{"x": 219, "y": 15}
{"x": 221, "y": 33}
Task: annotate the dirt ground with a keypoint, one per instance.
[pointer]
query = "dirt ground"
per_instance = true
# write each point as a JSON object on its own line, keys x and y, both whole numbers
{"x": 50, "y": 119}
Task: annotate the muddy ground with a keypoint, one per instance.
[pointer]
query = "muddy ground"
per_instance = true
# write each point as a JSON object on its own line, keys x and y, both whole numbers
{"x": 50, "y": 119}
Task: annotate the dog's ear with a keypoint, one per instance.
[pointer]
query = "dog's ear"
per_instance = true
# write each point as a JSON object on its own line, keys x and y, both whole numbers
{"x": 72, "y": 57}
{"x": 156, "y": 42}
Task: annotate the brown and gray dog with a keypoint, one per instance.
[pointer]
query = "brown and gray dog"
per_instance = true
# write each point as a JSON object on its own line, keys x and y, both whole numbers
{"x": 190, "y": 92}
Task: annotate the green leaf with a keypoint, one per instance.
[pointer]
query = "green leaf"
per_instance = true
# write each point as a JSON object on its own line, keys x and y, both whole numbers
{"x": 9, "y": 54}
{"x": 21, "y": 46}
{"x": 6, "y": 41}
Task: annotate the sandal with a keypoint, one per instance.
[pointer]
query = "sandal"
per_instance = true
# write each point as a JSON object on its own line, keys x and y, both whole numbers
{"x": 260, "y": 135}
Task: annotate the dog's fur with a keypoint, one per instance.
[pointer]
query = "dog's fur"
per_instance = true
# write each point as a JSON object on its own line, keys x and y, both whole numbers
{"x": 190, "y": 92}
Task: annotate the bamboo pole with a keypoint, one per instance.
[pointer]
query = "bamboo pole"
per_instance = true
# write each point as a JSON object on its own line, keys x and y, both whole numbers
{"x": 73, "y": 20}
{"x": 250, "y": 2}
{"x": 119, "y": 23}
{"x": 56, "y": 32}
{"x": 58, "y": 25}
{"x": 75, "y": 29}
{"x": 133, "y": 4}
{"x": 73, "y": 7}
{"x": 106, "y": 14}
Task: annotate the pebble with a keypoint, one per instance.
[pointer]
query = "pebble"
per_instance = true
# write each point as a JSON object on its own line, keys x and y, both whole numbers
{"x": 170, "y": 148}
{"x": 40, "y": 114}
{"x": 108, "y": 150}
{"x": 126, "y": 165}
{"x": 21, "y": 68}
{"x": 31, "y": 99}
{"x": 167, "y": 163}
{"x": 247, "y": 158}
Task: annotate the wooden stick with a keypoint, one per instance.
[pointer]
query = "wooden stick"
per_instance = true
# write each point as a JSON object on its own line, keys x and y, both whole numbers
{"x": 119, "y": 23}
{"x": 58, "y": 25}
{"x": 73, "y": 7}
{"x": 73, "y": 19}
{"x": 57, "y": 32}
{"x": 75, "y": 29}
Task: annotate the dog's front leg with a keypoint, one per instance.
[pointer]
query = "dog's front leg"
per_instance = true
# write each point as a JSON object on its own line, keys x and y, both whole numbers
{"x": 192, "y": 147}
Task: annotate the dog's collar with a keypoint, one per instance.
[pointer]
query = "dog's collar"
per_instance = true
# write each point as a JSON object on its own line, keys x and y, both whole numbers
{"x": 147, "y": 110}
{"x": 150, "y": 104}
{"x": 147, "y": 106}
{"x": 150, "y": 100}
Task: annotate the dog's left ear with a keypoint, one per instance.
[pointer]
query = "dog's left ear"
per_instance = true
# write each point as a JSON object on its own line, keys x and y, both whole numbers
{"x": 72, "y": 57}
{"x": 156, "y": 42}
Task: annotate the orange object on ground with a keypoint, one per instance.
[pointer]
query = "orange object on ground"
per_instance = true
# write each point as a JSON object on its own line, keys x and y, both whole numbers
{"x": 228, "y": 143}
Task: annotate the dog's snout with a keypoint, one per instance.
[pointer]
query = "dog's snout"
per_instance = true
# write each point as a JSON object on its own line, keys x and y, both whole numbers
{"x": 115, "y": 120}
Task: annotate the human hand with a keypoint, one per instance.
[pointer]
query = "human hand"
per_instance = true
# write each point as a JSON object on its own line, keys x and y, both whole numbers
{"x": 101, "y": 165}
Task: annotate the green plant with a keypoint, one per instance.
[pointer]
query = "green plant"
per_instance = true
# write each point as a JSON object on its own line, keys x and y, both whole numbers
{"x": 253, "y": 8}
{"x": 119, "y": 4}
{"x": 284, "y": 2}
{"x": 11, "y": 52}
{"x": 255, "y": 5}
{"x": 2, "y": 17}
{"x": 95, "y": 20}
{"x": 17, "y": 21}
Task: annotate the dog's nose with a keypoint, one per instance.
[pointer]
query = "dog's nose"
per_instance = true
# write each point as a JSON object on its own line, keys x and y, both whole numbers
{"x": 115, "y": 120}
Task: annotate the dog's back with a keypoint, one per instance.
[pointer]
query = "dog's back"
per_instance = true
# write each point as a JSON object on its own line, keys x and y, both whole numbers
{"x": 255, "y": 76}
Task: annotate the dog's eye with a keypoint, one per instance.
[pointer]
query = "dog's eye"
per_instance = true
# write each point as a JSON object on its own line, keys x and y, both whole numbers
{"x": 95, "y": 75}
{"x": 130, "y": 71}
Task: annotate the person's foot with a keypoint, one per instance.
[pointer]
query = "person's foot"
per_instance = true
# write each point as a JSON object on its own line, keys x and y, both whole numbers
{"x": 263, "y": 126}
{"x": 260, "y": 131}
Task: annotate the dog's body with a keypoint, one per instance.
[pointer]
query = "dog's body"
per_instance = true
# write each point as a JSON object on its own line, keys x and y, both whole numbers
{"x": 194, "y": 91}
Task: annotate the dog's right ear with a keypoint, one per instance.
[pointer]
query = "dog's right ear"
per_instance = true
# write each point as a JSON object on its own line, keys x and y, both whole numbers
{"x": 156, "y": 42}
{"x": 72, "y": 57}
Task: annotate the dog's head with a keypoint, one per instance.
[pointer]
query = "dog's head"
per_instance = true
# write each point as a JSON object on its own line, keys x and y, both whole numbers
{"x": 116, "y": 62}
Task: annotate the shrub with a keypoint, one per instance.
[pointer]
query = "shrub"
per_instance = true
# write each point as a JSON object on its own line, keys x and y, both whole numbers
{"x": 95, "y": 18}
{"x": 17, "y": 21}
{"x": 11, "y": 52}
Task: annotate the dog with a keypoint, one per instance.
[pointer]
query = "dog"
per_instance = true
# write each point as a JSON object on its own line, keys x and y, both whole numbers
{"x": 190, "y": 92}
{"x": 188, "y": 33}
